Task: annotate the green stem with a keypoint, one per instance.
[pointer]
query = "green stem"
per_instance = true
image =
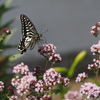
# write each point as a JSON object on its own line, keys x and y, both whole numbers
{"x": 6, "y": 96}
{"x": 96, "y": 77}
{"x": 52, "y": 64}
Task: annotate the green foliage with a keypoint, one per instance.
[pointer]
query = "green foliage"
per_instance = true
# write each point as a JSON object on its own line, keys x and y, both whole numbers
{"x": 62, "y": 70}
{"x": 76, "y": 61}
{"x": 4, "y": 60}
{"x": 69, "y": 72}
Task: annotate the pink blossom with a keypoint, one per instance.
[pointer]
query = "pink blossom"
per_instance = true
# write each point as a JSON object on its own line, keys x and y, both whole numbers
{"x": 91, "y": 90}
{"x": 81, "y": 77}
{"x": 54, "y": 57}
{"x": 1, "y": 86}
{"x": 51, "y": 77}
{"x": 73, "y": 95}
{"x": 95, "y": 48}
{"x": 21, "y": 68}
{"x": 13, "y": 97}
{"x": 95, "y": 30}
{"x": 47, "y": 49}
{"x": 95, "y": 66}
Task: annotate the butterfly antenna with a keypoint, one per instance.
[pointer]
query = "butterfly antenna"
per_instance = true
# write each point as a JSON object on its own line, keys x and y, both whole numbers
{"x": 41, "y": 29}
{"x": 45, "y": 31}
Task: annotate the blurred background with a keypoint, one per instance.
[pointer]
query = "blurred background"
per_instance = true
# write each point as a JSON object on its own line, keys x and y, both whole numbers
{"x": 68, "y": 22}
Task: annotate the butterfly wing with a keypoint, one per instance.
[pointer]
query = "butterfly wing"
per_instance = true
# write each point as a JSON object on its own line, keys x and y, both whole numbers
{"x": 28, "y": 33}
{"x": 27, "y": 26}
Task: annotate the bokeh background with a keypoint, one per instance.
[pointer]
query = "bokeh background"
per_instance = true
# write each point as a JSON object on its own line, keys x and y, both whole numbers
{"x": 68, "y": 22}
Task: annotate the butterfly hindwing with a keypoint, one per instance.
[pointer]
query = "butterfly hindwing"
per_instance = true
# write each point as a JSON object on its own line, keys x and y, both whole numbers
{"x": 30, "y": 35}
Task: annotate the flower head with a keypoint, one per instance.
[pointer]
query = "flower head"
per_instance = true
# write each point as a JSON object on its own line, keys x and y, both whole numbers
{"x": 36, "y": 71}
{"x": 1, "y": 86}
{"x": 91, "y": 90}
{"x": 47, "y": 49}
{"x": 73, "y": 95}
{"x": 15, "y": 81}
{"x": 95, "y": 66}
{"x": 39, "y": 86}
{"x": 95, "y": 30}
{"x": 13, "y": 97}
{"x": 81, "y": 77}
{"x": 4, "y": 32}
{"x": 64, "y": 81}
{"x": 10, "y": 90}
{"x": 95, "y": 48}
{"x": 24, "y": 86}
{"x": 51, "y": 77}
{"x": 54, "y": 57}
{"x": 21, "y": 68}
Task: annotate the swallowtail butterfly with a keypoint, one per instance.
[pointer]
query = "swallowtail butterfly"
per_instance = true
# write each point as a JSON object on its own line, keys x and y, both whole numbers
{"x": 30, "y": 36}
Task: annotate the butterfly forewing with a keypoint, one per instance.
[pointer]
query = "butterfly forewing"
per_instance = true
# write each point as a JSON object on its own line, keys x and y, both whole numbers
{"x": 30, "y": 35}
{"x": 27, "y": 25}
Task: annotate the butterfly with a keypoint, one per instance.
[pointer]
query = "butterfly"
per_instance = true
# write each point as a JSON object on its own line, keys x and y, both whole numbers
{"x": 30, "y": 36}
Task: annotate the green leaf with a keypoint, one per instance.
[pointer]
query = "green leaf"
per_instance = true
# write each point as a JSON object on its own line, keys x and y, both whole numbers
{"x": 60, "y": 69}
{"x": 91, "y": 79}
{"x": 14, "y": 57}
{"x": 7, "y": 24}
{"x": 8, "y": 2}
{"x": 3, "y": 9}
{"x": 56, "y": 91}
{"x": 8, "y": 46}
{"x": 1, "y": 50}
{"x": 77, "y": 60}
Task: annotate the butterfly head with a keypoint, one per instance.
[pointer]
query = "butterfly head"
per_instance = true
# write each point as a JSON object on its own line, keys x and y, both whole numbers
{"x": 40, "y": 35}
{"x": 21, "y": 50}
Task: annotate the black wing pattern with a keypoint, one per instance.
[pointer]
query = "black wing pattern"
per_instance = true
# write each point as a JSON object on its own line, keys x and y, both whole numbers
{"x": 30, "y": 35}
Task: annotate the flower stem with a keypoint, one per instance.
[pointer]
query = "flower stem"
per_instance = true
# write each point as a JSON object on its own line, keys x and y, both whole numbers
{"x": 46, "y": 64}
{"x": 96, "y": 77}
{"x": 6, "y": 96}
{"x": 52, "y": 64}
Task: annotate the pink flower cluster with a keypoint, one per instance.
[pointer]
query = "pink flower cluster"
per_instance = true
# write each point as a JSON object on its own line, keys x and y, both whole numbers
{"x": 22, "y": 85}
{"x": 1, "y": 86}
{"x": 95, "y": 48}
{"x": 46, "y": 97}
{"x": 27, "y": 83}
{"x": 51, "y": 77}
{"x": 81, "y": 77}
{"x": 95, "y": 66}
{"x": 73, "y": 95}
{"x": 91, "y": 90}
{"x": 48, "y": 51}
{"x": 4, "y": 32}
{"x": 95, "y": 30}
{"x": 21, "y": 69}
{"x": 39, "y": 86}
{"x": 13, "y": 97}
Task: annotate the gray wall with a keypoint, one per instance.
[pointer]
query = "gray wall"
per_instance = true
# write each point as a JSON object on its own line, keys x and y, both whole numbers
{"x": 68, "y": 23}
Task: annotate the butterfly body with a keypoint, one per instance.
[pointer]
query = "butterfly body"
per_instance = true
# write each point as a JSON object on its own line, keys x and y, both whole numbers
{"x": 30, "y": 36}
